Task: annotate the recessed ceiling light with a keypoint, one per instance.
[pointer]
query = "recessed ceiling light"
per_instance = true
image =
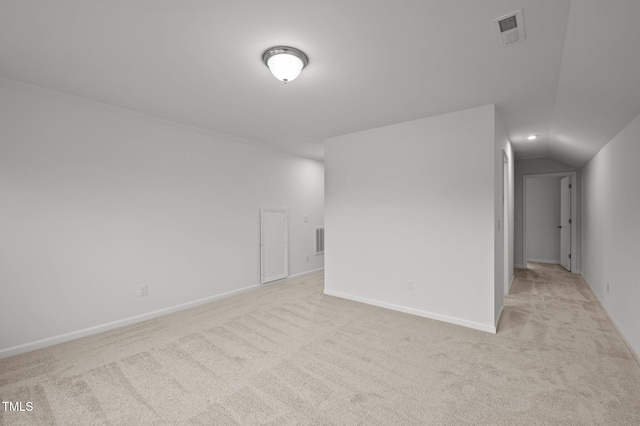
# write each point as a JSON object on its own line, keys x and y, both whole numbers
{"x": 533, "y": 137}
{"x": 285, "y": 62}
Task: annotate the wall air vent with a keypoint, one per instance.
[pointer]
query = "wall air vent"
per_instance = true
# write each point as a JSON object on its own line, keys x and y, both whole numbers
{"x": 319, "y": 240}
{"x": 509, "y": 28}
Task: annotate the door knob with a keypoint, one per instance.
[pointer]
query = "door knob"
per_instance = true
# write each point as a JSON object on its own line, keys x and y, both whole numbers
{"x": 559, "y": 226}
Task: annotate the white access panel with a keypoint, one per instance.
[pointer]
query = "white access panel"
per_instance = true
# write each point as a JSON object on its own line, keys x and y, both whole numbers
{"x": 274, "y": 244}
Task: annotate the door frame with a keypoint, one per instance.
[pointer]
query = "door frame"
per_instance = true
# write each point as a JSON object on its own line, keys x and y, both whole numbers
{"x": 566, "y": 184}
{"x": 507, "y": 268}
{"x": 575, "y": 215}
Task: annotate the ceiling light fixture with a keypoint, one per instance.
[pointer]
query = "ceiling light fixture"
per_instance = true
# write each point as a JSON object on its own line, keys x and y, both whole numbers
{"x": 285, "y": 62}
{"x": 532, "y": 137}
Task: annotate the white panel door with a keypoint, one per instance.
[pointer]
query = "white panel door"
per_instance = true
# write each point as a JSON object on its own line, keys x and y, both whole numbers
{"x": 565, "y": 223}
{"x": 274, "y": 247}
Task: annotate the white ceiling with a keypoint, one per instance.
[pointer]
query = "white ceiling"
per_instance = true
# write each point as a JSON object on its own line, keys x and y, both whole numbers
{"x": 575, "y": 80}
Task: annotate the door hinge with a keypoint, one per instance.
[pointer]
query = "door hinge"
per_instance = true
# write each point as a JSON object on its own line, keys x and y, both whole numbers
{"x": 569, "y": 220}
{"x": 569, "y": 256}
{"x": 569, "y": 186}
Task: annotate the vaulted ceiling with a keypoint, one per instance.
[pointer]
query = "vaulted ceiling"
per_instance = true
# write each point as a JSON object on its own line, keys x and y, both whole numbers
{"x": 574, "y": 80}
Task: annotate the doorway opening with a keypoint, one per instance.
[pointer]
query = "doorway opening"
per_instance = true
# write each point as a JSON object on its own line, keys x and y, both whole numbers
{"x": 551, "y": 219}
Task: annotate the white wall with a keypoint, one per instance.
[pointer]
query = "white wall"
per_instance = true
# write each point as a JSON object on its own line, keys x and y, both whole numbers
{"x": 542, "y": 204}
{"x": 524, "y": 168}
{"x": 98, "y": 201}
{"x": 611, "y": 229}
{"x": 415, "y": 201}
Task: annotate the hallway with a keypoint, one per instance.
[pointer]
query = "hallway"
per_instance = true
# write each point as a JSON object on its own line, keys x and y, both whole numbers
{"x": 554, "y": 317}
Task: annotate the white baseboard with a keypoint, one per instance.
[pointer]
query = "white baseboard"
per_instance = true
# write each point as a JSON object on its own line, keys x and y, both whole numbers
{"x": 413, "y": 311}
{"x": 290, "y": 277}
{"x": 520, "y": 266}
{"x": 305, "y": 273}
{"x": 551, "y": 262}
{"x": 613, "y": 322}
{"x": 50, "y": 341}
{"x": 499, "y": 317}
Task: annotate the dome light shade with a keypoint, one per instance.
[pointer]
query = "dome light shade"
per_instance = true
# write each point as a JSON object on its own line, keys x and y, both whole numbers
{"x": 285, "y": 63}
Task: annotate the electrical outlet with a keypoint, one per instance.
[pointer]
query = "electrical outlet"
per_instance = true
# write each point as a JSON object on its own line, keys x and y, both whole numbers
{"x": 306, "y": 218}
{"x": 144, "y": 290}
{"x": 410, "y": 286}
{"x": 607, "y": 288}
{"x": 307, "y": 258}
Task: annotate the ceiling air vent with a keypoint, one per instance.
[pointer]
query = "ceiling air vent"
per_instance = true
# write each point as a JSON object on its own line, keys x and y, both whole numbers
{"x": 509, "y": 28}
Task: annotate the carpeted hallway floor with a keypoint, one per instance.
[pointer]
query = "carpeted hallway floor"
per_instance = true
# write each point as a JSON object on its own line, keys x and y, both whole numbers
{"x": 287, "y": 354}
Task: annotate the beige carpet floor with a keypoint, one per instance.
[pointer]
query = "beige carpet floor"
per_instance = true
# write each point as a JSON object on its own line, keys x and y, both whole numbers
{"x": 287, "y": 354}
